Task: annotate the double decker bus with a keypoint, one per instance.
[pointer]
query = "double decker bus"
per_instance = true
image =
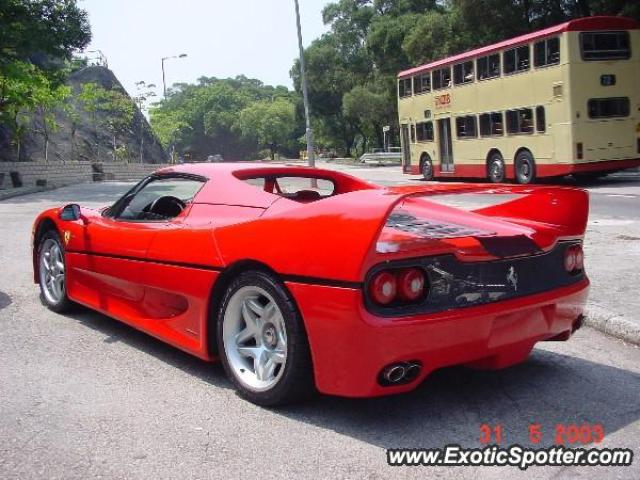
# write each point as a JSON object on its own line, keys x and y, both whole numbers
{"x": 559, "y": 101}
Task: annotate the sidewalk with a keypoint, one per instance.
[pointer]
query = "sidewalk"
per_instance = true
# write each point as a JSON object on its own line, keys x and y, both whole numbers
{"x": 612, "y": 258}
{"x": 16, "y": 192}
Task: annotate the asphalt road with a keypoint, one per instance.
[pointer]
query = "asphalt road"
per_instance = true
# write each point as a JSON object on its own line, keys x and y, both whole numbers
{"x": 84, "y": 396}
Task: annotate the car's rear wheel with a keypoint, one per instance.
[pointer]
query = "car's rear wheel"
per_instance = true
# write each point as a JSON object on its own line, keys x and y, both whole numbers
{"x": 262, "y": 341}
{"x": 52, "y": 273}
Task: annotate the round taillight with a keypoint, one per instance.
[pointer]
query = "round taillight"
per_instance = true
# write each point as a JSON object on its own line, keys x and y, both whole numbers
{"x": 411, "y": 284}
{"x": 383, "y": 288}
{"x": 570, "y": 259}
{"x": 579, "y": 254}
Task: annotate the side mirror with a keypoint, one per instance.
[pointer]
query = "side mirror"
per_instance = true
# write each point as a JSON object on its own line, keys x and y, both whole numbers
{"x": 70, "y": 212}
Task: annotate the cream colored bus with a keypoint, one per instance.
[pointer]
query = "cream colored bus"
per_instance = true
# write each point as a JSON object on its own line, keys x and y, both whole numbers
{"x": 559, "y": 101}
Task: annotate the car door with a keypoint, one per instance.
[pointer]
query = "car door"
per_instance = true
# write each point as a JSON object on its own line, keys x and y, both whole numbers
{"x": 115, "y": 275}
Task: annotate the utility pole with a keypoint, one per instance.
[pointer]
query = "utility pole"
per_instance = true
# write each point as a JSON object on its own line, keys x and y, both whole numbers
{"x": 164, "y": 83}
{"x": 305, "y": 93}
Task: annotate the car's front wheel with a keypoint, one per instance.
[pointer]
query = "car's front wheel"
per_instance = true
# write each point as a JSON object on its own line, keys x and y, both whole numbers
{"x": 262, "y": 341}
{"x": 52, "y": 273}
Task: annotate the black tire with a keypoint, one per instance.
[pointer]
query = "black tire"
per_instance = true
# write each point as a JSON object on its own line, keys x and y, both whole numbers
{"x": 525, "y": 168}
{"x": 296, "y": 382}
{"x": 64, "y": 304}
{"x": 426, "y": 167}
{"x": 495, "y": 168}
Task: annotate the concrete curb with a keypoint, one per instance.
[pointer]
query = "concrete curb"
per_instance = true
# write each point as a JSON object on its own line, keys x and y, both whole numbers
{"x": 612, "y": 324}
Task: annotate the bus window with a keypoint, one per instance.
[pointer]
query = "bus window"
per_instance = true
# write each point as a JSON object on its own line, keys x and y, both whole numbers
{"x": 491, "y": 124}
{"x": 605, "y": 45}
{"x": 463, "y": 73}
{"x": 516, "y": 59}
{"x": 424, "y": 131}
{"x": 422, "y": 83}
{"x": 442, "y": 78}
{"x": 413, "y": 134}
{"x": 608, "y": 107}
{"x": 520, "y": 121}
{"x": 489, "y": 66}
{"x": 466, "y": 127}
{"x": 541, "y": 125}
{"x": 546, "y": 52}
{"x": 404, "y": 87}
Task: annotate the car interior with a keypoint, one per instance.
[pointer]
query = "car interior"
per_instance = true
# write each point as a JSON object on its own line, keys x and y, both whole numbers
{"x": 298, "y": 188}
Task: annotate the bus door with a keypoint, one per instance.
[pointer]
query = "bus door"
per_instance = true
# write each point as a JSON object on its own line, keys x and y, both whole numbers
{"x": 445, "y": 145}
{"x": 406, "y": 147}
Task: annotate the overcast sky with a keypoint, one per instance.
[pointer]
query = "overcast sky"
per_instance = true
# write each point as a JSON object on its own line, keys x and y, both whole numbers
{"x": 222, "y": 38}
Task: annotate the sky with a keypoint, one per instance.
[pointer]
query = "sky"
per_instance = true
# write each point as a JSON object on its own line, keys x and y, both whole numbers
{"x": 222, "y": 38}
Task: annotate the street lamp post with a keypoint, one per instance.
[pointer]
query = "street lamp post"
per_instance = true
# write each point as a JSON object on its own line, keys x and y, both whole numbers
{"x": 305, "y": 93}
{"x": 164, "y": 83}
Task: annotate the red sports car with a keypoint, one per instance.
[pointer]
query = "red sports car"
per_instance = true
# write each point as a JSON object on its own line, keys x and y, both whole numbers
{"x": 302, "y": 279}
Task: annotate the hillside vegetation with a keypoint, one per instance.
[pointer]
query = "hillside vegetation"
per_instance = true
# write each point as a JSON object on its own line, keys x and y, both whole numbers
{"x": 351, "y": 72}
{"x": 54, "y": 107}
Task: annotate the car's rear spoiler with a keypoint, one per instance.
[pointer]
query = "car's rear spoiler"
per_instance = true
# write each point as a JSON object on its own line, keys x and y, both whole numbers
{"x": 337, "y": 238}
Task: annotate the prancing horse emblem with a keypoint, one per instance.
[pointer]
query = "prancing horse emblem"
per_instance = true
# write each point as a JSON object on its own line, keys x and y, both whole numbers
{"x": 512, "y": 278}
{"x": 67, "y": 237}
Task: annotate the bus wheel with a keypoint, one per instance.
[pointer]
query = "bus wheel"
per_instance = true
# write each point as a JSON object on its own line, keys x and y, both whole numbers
{"x": 426, "y": 167}
{"x": 495, "y": 168}
{"x": 525, "y": 167}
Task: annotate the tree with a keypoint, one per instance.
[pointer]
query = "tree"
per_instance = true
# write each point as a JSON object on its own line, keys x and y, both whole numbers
{"x": 32, "y": 28}
{"x": 372, "y": 107}
{"x": 270, "y": 122}
{"x": 90, "y": 98}
{"x": 48, "y": 99}
{"x": 144, "y": 94}
{"x": 117, "y": 109}
{"x": 201, "y": 119}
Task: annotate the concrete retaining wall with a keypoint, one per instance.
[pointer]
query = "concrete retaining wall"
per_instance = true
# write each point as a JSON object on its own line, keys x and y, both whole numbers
{"x": 57, "y": 174}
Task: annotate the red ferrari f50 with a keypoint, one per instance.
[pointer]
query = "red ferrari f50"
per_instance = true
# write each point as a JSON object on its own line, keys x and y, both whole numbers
{"x": 303, "y": 279}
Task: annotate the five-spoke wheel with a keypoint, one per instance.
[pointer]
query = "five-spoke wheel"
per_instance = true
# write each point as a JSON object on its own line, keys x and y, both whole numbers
{"x": 255, "y": 338}
{"x": 262, "y": 341}
{"x": 51, "y": 272}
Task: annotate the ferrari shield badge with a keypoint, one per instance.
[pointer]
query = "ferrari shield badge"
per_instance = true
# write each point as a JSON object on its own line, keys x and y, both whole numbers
{"x": 67, "y": 237}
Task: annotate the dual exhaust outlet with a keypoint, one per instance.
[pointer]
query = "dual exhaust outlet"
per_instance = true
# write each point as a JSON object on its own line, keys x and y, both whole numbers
{"x": 399, "y": 373}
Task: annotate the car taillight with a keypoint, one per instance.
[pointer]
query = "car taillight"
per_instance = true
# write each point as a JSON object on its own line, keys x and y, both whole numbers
{"x": 403, "y": 285}
{"x": 579, "y": 153}
{"x": 573, "y": 259}
{"x": 383, "y": 288}
{"x": 410, "y": 284}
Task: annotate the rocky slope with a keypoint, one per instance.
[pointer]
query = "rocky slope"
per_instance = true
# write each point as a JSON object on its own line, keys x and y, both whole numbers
{"x": 82, "y": 144}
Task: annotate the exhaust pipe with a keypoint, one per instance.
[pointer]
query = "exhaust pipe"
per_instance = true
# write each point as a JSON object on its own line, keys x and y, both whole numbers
{"x": 394, "y": 373}
{"x": 399, "y": 373}
{"x": 412, "y": 371}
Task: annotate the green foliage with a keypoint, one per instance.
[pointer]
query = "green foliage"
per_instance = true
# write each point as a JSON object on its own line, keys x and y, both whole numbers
{"x": 271, "y": 122}
{"x": 37, "y": 39}
{"x": 352, "y": 68}
{"x": 203, "y": 119}
{"x": 25, "y": 89}
{"x": 111, "y": 110}
{"x": 55, "y": 28}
